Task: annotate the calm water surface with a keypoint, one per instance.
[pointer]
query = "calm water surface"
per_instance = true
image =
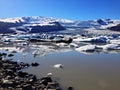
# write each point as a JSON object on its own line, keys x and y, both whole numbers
{"x": 81, "y": 71}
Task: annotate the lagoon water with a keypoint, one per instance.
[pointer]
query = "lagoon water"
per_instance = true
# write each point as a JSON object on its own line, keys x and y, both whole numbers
{"x": 93, "y": 71}
{"x": 97, "y": 71}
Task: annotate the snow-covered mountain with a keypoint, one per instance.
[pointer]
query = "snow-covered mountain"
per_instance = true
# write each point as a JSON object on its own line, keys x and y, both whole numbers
{"x": 97, "y": 24}
{"x": 36, "y": 24}
{"x": 28, "y": 24}
{"x": 34, "y": 19}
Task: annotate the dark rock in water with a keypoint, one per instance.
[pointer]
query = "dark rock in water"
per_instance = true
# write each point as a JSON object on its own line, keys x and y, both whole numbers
{"x": 53, "y": 85}
{"x": 48, "y": 79}
{"x": 32, "y": 78}
{"x": 22, "y": 74}
{"x": 44, "y": 82}
{"x": 13, "y": 79}
{"x": 70, "y": 88}
{"x": 0, "y": 54}
{"x": 34, "y": 64}
{"x": 10, "y": 55}
{"x": 4, "y": 54}
{"x": 23, "y": 65}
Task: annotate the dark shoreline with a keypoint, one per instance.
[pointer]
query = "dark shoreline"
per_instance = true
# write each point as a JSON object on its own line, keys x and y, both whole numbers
{"x": 13, "y": 78}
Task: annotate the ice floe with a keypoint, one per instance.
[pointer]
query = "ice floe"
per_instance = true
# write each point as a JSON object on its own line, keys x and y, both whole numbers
{"x": 100, "y": 39}
{"x": 109, "y": 47}
{"x": 58, "y": 66}
{"x": 86, "y": 48}
{"x": 73, "y": 45}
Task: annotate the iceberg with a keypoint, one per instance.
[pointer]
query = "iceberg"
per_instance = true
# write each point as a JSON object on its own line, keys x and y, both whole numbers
{"x": 100, "y": 39}
{"x": 86, "y": 48}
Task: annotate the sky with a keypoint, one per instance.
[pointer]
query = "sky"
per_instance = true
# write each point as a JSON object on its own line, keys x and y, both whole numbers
{"x": 66, "y": 9}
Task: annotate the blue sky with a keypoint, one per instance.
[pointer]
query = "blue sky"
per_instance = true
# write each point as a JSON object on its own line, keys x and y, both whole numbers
{"x": 66, "y": 9}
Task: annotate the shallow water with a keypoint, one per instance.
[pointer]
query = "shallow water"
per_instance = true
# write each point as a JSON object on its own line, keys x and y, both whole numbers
{"x": 81, "y": 71}
{"x": 93, "y": 71}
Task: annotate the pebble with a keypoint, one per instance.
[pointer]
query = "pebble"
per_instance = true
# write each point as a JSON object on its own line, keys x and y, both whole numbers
{"x": 34, "y": 64}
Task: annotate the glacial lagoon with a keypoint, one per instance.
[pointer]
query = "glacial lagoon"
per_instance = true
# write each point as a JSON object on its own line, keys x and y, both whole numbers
{"x": 91, "y": 71}
{"x": 86, "y": 65}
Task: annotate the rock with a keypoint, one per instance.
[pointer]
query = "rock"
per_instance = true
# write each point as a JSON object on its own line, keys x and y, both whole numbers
{"x": 1, "y": 64}
{"x": 0, "y": 54}
{"x": 70, "y": 88}
{"x": 27, "y": 87}
{"x": 9, "y": 72}
{"x": 9, "y": 77}
{"x": 7, "y": 83}
{"x": 10, "y": 55}
{"x": 24, "y": 65}
{"x": 12, "y": 79}
{"x": 45, "y": 80}
{"x": 13, "y": 51}
{"x": 53, "y": 86}
{"x": 32, "y": 78}
{"x": 22, "y": 74}
{"x": 4, "y": 54}
{"x": 34, "y": 64}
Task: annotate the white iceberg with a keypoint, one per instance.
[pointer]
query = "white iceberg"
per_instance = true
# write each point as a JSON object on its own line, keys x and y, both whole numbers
{"x": 115, "y": 41}
{"x": 58, "y": 66}
{"x": 100, "y": 39}
{"x": 62, "y": 44}
{"x": 73, "y": 45}
{"x": 111, "y": 47}
{"x": 86, "y": 48}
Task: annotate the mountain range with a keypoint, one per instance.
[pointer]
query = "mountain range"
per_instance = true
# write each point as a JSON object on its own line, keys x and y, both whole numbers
{"x": 37, "y": 24}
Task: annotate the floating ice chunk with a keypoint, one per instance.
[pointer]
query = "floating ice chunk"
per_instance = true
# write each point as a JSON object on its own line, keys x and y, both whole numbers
{"x": 116, "y": 41}
{"x": 100, "y": 39}
{"x": 49, "y": 74}
{"x": 23, "y": 44}
{"x": 62, "y": 44}
{"x": 73, "y": 45}
{"x": 79, "y": 39}
{"x": 111, "y": 47}
{"x": 36, "y": 52}
{"x": 86, "y": 48}
{"x": 58, "y": 66}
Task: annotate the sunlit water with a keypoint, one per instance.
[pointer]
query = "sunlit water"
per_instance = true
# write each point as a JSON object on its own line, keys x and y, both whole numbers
{"x": 80, "y": 71}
